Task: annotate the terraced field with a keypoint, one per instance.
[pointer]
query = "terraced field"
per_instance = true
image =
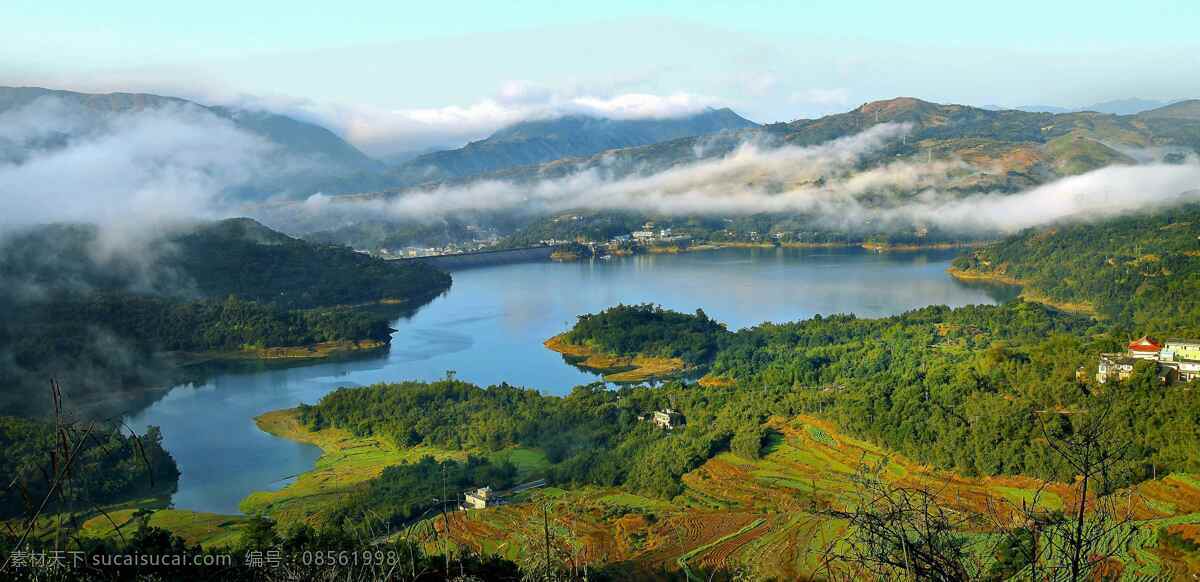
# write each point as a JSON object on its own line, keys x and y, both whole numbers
{"x": 735, "y": 515}
{"x": 757, "y": 516}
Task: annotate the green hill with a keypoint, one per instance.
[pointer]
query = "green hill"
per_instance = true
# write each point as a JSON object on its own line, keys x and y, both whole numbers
{"x": 106, "y": 323}
{"x": 1140, "y": 272}
{"x": 1189, "y": 109}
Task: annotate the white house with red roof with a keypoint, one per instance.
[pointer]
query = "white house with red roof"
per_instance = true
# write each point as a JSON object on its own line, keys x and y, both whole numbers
{"x": 1176, "y": 360}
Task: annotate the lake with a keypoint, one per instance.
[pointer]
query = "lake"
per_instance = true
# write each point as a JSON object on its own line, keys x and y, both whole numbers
{"x": 489, "y": 328}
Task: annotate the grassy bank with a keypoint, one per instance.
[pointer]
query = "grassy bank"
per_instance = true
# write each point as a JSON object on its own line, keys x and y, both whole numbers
{"x": 1028, "y": 292}
{"x": 316, "y": 351}
{"x": 210, "y": 530}
{"x": 346, "y": 462}
{"x": 616, "y": 368}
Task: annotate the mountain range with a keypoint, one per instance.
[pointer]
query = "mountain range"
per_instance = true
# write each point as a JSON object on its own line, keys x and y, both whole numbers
{"x": 538, "y": 141}
{"x": 314, "y": 158}
{"x": 1130, "y": 106}
{"x": 318, "y": 160}
{"x": 1005, "y": 150}
{"x": 1012, "y": 149}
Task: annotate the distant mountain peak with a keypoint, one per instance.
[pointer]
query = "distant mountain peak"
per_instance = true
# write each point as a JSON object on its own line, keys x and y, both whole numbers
{"x": 896, "y": 104}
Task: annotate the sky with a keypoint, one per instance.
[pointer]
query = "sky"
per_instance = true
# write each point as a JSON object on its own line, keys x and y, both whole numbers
{"x": 404, "y": 76}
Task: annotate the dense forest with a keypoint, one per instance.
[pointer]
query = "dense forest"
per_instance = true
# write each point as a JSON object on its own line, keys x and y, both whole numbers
{"x": 109, "y": 465}
{"x": 244, "y": 258}
{"x": 629, "y": 330}
{"x": 593, "y": 435}
{"x": 158, "y": 324}
{"x": 1139, "y": 272}
{"x": 98, "y": 317}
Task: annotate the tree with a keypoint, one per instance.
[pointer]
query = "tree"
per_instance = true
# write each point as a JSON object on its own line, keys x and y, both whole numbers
{"x": 747, "y": 442}
{"x": 900, "y": 531}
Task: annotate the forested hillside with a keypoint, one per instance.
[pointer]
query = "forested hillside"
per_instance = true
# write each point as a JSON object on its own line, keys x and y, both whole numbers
{"x": 649, "y": 330}
{"x": 1139, "y": 272}
{"x": 99, "y": 321}
{"x": 244, "y": 258}
{"x": 107, "y": 466}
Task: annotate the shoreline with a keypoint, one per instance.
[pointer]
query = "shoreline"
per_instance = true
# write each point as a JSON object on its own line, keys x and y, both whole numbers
{"x": 317, "y": 351}
{"x": 346, "y": 462}
{"x": 714, "y": 246}
{"x": 613, "y": 368}
{"x": 1028, "y": 292}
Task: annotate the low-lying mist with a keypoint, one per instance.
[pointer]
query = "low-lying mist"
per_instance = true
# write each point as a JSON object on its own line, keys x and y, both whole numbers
{"x": 844, "y": 183}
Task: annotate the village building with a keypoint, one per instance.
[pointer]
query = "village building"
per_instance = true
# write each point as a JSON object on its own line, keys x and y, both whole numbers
{"x": 1177, "y": 360}
{"x": 666, "y": 419}
{"x": 1114, "y": 367}
{"x": 481, "y": 498}
{"x": 1184, "y": 354}
{"x": 1145, "y": 348}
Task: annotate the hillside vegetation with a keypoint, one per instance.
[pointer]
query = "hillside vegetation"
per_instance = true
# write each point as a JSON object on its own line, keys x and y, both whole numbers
{"x": 109, "y": 466}
{"x": 100, "y": 322}
{"x": 649, "y": 330}
{"x": 1139, "y": 272}
{"x": 961, "y": 389}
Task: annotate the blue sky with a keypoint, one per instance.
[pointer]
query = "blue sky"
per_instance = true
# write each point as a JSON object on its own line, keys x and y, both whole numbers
{"x": 396, "y": 75}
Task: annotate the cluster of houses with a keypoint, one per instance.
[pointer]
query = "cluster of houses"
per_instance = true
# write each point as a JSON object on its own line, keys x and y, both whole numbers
{"x": 648, "y": 235}
{"x": 1177, "y": 360}
{"x": 454, "y": 248}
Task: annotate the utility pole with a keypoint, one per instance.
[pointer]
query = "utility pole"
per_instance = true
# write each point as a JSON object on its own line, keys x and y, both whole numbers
{"x": 446, "y": 522}
{"x": 546, "y": 528}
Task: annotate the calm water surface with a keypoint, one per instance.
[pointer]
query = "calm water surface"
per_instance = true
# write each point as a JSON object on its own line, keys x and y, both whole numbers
{"x": 489, "y": 327}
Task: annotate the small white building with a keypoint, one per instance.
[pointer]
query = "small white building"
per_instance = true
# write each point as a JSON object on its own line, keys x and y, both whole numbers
{"x": 666, "y": 419}
{"x": 643, "y": 234}
{"x": 1185, "y": 354}
{"x": 1114, "y": 367}
{"x": 481, "y": 498}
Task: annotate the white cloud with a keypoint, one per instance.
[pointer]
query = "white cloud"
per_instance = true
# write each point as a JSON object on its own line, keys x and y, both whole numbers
{"x": 132, "y": 169}
{"x": 383, "y": 131}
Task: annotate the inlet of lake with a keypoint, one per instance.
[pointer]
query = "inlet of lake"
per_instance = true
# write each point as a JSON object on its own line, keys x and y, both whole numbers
{"x": 489, "y": 328}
